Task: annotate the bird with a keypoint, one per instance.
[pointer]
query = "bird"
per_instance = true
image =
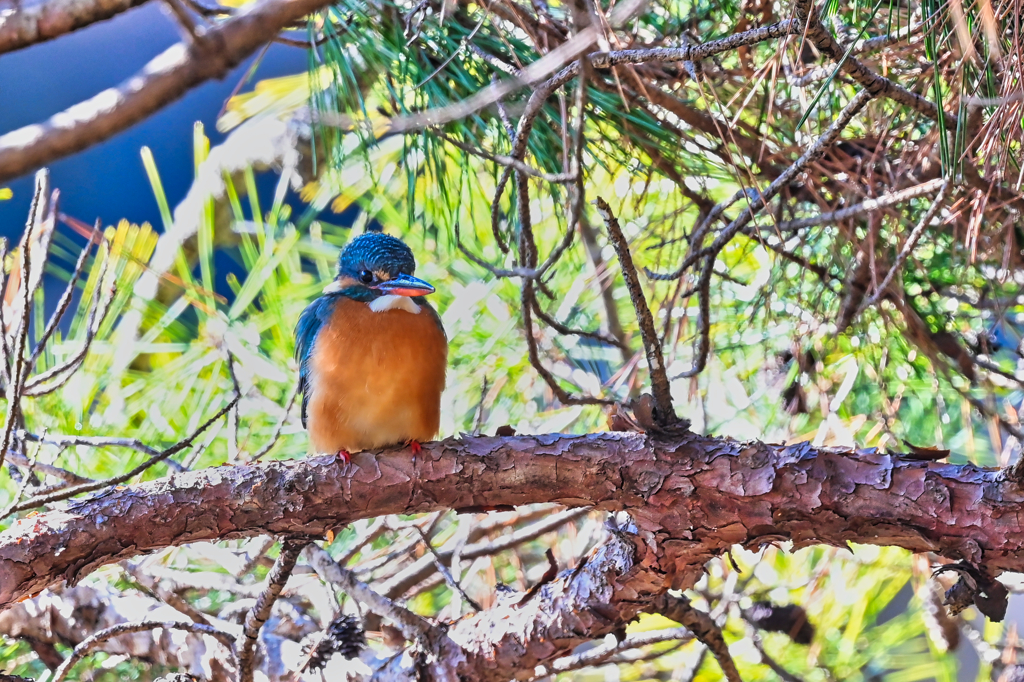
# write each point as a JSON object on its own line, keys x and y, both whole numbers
{"x": 372, "y": 353}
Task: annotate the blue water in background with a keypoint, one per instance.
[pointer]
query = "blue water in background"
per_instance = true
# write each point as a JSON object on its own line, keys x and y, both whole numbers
{"x": 108, "y": 181}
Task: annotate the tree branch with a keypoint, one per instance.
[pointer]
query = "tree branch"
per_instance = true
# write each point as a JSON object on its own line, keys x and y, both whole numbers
{"x": 162, "y": 81}
{"x": 665, "y": 413}
{"x": 260, "y": 612}
{"x": 33, "y": 24}
{"x": 693, "y": 496}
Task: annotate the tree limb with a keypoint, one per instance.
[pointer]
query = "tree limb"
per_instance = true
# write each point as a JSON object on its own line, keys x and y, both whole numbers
{"x": 166, "y": 78}
{"x": 692, "y": 497}
{"x": 28, "y": 25}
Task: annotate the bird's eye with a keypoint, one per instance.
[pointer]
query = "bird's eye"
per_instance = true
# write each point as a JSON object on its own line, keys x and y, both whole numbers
{"x": 365, "y": 276}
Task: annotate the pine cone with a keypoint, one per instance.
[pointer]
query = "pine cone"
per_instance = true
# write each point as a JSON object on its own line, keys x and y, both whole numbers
{"x": 343, "y": 636}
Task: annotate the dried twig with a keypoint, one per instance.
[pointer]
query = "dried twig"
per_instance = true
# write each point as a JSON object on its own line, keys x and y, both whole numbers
{"x": 64, "y": 494}
{"x": 16, "y": 361}
{"x": 15, "y": 457}
{"x": 703, "y": 628}
{"x": 710, "y": 253}
{"x": 278, "y": 428}
{"x": 445, "y": 573}
{"x": 907, "y": 249}
{"x": 399, "y": 584}
{"x": 58, "y": 375}
{"x": 65, "y": 299}
{"x": 866, "y": 206}
{"x": 26, "y": 478}
{"x": 260, "y": 612}
{"x": 126, "y": 628}
{"x": 89, "y": 441}
{"x": 665, "y": 413}
{"x": 602, "y": 653}
{"x": 411, "y": 625}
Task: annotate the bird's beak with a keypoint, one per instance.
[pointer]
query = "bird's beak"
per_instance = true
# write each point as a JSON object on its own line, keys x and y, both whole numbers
{"x": 405, "y": 285}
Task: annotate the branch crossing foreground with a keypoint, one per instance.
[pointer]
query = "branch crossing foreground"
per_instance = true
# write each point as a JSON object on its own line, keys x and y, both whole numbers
{"x": 690, "y": 498}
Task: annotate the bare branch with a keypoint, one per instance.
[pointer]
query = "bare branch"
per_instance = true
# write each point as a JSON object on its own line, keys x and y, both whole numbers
{"x": 257, "y": 616}
{"x": 26, "y": 477}
{"x": 710, "y": 253}
{"x": 66, "y": 493}
{"x": 703, "y": 628}
{"x": 15, "y": 457}
{"x": 866, "y": 206}
{"x": 16, "y": 361}
{"x": 65, "y": 299}
{"x": 665, "y": 413}
{"x": 276, "y": 433}
{"x": 162, "y": 81}
{"x": 908, "y": 248}
{"x": 89, "y": 441}
{"x": 397, "y": 585}
{"x": 127, "y": 628}
{"x": 411, "y": 625}
{"x": 452, "y": 582}
{"x": 600, "y": 654}
{"x": 29, "y": 24}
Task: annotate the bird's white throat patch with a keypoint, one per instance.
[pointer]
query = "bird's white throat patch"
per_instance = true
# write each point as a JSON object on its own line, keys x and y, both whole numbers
{"x": 382, "y": 303}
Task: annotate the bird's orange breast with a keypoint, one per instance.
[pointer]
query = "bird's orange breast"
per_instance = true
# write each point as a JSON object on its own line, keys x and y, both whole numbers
{"x": 375, "y": 378}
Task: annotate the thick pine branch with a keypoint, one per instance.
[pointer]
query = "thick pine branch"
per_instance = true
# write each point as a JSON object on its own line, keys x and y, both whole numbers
{"x": 692, "y": 498}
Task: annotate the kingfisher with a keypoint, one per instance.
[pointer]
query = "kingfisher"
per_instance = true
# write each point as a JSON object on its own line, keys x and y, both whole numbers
{"x": 372, "y": 353}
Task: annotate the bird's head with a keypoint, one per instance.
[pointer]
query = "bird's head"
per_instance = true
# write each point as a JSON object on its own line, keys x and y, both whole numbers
{"x": 375, "y": 264}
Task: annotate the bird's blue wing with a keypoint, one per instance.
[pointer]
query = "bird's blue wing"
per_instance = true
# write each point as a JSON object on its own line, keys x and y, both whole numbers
{"x": 313, "y": 318}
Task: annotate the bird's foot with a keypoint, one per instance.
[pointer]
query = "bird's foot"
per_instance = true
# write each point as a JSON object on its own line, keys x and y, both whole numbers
{"x": 344, "y": 456}
{"x": 416, "y": 447}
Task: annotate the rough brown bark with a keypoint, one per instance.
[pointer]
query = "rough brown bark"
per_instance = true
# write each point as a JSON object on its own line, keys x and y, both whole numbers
{"x": 26, "y": 26}
{"x": 691, "y": 498}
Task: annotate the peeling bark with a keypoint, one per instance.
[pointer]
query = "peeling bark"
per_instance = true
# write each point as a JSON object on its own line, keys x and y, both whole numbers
{"x": 691, "y": 497}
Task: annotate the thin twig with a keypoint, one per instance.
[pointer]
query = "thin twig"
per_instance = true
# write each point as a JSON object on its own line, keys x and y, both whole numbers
{"x": 907, "y": 249}
{"x": 64, "y": 494}
{"x": 569, "y": 331}
{"x": 253, "y": 558}
{"x": 65, "y": 299}
{"x": 445, "y": 573}
{"x": 7, "y": 359}
{"x": 15, "y": 457}
{"x": 866, "y": 206}
{"x": 397, "y": 585}
{"x": 710, "y": 253}
{"x": 276, "y": 434}
{"x": 602, "y": 653}
{"x": 703, "y": 628}
{"x": 374, "y": 531}
{"x": 89, "y": 441}
{"x": 665, "y": 414}
{"x": 411, "y": 625}
{"x": 514, "y": 163}
{"x": 26, "y": 477}
{"x": 190, "y": 30}
{"x": 58, "y": 375}
{"x": 260, "y": 612}
{"x": 98, "y": 638}
{"x": 533, "y": 354}
{"x": 16, "y": 384}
